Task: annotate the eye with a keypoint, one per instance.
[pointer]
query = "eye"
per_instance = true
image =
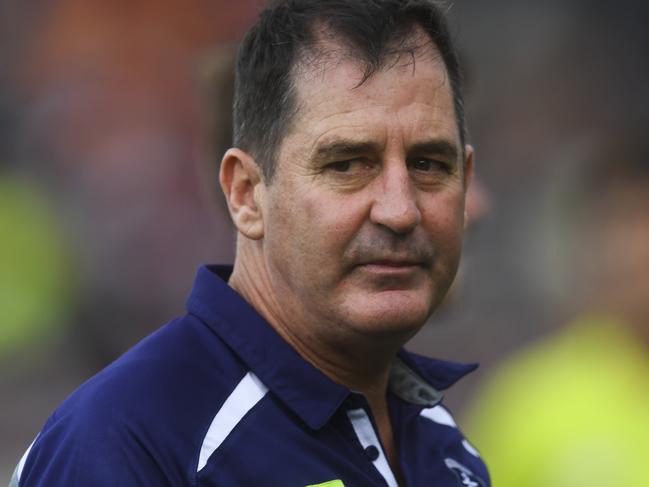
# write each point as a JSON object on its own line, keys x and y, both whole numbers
{"x": 427, "y": 165}
{"x": 355, "y": 166}
{"x": 340, "y": 166}
{"x": 350, "y": 174}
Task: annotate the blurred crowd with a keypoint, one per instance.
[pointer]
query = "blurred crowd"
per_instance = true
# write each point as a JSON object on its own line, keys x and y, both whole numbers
{"x": 114, "y": 115}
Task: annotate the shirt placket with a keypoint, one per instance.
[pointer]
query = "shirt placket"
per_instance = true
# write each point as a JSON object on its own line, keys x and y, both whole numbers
{"x": 366, "y": 434}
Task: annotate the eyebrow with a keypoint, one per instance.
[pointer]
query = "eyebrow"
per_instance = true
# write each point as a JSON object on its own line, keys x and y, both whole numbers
{"x": 438, "y": 147}
{"x": 344, "y": 148}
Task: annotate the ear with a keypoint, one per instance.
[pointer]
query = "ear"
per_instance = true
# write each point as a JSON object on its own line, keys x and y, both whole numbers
{"x": 468, "y": 165}
{"x": 468, "y": 176}
{"x": 243, "y": 186}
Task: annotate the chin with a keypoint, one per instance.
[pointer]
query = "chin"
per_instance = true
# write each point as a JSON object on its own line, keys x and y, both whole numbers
{"x": 398, "y": 314}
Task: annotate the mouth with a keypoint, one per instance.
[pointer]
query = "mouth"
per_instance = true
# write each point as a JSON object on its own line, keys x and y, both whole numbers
{"x": 391, "y": 266}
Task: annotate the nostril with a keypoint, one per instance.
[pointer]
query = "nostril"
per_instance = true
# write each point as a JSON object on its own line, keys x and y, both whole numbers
{"x": 398, "y": 217}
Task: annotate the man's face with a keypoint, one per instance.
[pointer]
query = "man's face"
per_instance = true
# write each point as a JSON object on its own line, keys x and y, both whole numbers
{"x": 363, "y": 220}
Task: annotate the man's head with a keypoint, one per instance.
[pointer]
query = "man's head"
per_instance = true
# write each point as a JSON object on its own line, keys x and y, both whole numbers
{"x": 357, "y": 230}
{"x": 291, "y": 35}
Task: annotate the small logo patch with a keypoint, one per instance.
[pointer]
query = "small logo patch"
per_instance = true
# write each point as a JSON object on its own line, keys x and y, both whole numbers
{"x": 331, "y": 483}
{"x": 463, "y": 474}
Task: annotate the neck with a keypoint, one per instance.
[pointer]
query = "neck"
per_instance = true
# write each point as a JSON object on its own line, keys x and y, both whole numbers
{"x": 360, "y": 362}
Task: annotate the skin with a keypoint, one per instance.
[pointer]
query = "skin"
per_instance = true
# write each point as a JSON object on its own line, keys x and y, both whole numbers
{"x": 357, "y": 239}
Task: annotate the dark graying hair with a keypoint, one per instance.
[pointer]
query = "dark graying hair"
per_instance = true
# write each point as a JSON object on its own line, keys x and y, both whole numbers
{"x": 374, "y": 30}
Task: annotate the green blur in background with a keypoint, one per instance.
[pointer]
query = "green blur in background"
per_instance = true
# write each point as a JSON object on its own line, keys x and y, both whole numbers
{"x": 36, "y": 285}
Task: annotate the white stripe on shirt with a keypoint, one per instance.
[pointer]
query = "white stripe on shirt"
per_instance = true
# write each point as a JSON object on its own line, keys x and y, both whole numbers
{"x": 367, "y": 436}
{"x": 15, "y": 478}
{"x": 439, "y": 415}
{"x": 248, "y": 392}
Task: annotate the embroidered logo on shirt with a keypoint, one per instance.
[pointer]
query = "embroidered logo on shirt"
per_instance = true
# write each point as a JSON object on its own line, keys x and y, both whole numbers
{"x": 331, "y": 483}
{"x": 463, "y": 474}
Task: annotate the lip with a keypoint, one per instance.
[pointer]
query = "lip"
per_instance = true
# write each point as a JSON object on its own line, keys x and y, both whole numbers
{"x": 393, "y": 261}
{"x": 390, "y": 266}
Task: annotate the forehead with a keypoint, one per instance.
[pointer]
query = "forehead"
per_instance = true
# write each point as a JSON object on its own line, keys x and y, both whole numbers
{"x": 410, "y": 94}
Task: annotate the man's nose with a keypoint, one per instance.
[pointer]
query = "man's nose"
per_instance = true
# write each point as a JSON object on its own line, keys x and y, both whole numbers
{"x": 395, "y": 200}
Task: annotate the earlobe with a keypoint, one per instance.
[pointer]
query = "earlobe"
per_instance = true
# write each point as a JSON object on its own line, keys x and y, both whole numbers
{"x": 242, "y": 185}
{"x": 468, "y": 176}
{"x": 468, "y": 165}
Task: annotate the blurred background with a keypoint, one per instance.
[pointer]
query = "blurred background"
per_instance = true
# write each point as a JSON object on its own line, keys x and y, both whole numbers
{"x": 114, "y": 115}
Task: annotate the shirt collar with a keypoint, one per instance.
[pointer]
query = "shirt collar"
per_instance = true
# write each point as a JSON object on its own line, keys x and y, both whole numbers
{"x": 420, "y": 380}
{"x": 307, "y": 391}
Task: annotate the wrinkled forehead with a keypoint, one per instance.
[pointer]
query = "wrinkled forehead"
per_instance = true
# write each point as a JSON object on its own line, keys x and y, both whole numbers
{"x": 322, "y": 65}
{"x": 327, "y": 50}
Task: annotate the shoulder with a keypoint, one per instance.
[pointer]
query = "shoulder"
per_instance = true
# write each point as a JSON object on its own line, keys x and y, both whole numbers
{"x": 175, "y": 372}
{"x": 143, "y": 416}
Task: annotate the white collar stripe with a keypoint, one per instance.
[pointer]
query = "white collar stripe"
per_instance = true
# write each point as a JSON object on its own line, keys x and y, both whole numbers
{"x": 367, "y": 436}
{"x": 248, "y": 392}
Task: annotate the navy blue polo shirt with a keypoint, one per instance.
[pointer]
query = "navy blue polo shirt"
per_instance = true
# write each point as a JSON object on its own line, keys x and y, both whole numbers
{"x": 218, "y": 398}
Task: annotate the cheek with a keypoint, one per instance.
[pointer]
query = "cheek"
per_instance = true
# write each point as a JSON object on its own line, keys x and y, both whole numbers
{"x": 443, "y": 219}
{"x": 308, "y": 235}
{"x": 333, "y": 221}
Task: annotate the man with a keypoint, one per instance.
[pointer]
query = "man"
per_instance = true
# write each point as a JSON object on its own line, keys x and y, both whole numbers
{"x": 347, "y": 185}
